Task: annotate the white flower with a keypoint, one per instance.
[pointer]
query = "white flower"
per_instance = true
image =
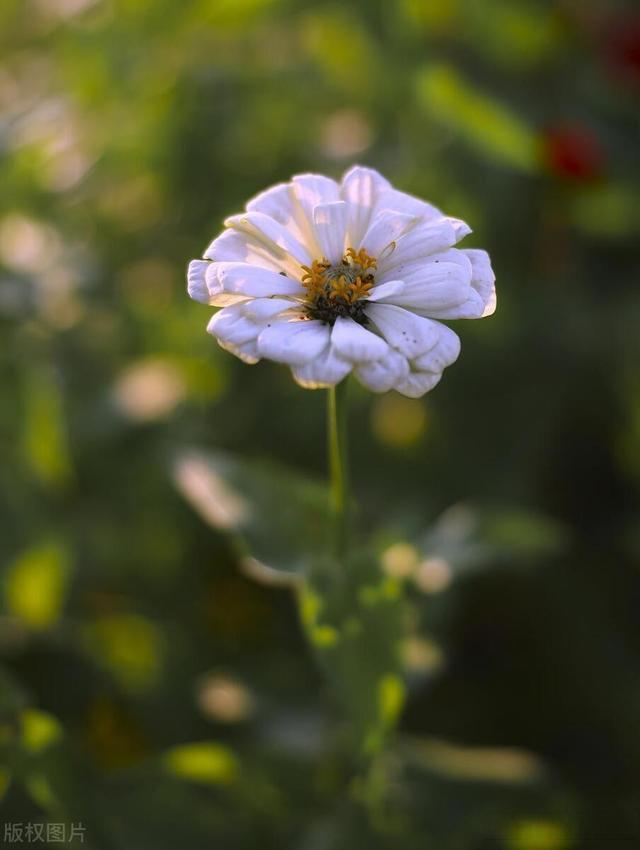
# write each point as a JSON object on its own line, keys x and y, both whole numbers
{"x": 332, "y": 278}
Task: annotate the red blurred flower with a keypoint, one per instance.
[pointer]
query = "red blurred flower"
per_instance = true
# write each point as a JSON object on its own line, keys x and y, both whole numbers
{"x": 572, "y": 151}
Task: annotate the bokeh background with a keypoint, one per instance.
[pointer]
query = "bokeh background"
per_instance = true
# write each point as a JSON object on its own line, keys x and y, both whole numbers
{"x": 149, "y": 689}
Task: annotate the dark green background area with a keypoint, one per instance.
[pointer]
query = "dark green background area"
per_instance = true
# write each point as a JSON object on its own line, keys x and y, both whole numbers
{"x": 148, "y": 688}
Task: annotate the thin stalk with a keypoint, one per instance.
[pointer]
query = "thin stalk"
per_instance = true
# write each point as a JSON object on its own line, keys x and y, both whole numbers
{"x": 337, "y": 412}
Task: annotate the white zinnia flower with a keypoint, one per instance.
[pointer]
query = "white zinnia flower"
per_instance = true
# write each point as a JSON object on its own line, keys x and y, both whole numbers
{"x": 332, "y": 278}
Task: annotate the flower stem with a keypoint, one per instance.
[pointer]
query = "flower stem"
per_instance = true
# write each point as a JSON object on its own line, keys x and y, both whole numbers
{"x": 337, "y": 411}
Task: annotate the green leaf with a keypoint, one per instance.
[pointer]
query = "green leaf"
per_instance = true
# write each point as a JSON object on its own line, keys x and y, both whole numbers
{"x": 353, "y": 616}
{"x": 130, "y": 646}
{"x": 483, "y": 122}
{"x": 45, "y": 432}
{"x": 278, "y": 518}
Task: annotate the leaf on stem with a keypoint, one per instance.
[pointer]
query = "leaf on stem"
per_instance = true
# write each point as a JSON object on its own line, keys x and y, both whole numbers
{"x": 278, "y": 519}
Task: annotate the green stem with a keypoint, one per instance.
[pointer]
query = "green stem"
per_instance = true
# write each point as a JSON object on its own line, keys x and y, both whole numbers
{"x": 338, "y": 466}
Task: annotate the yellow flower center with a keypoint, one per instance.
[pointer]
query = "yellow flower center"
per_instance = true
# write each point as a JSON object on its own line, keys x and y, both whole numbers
{"x": 340, "y": 289}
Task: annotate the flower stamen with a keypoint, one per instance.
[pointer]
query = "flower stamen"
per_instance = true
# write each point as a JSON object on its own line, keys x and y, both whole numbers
{"x": 340, "y": 289}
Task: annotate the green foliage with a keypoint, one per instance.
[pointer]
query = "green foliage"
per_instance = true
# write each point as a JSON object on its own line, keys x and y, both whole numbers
{"x": 278, "y": 519}
{"x": 469, "y": 678}
{"x": 476, "y": 118}
{"x": 352, "y": 614}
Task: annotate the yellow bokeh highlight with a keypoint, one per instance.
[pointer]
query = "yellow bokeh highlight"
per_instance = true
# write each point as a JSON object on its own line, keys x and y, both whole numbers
{"x": 207, "y": 762}
{"x": 539, "y": 835}
{"x": 35, "y": 585}
{"x": 400, "y": 560}
{"x": 325, "y": 637}
{"x": 38, "y": 730}
{"x": 398, "y": 421}
{"x": 391, "y": 696}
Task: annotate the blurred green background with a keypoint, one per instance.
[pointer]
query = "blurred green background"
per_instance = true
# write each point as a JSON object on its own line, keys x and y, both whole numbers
{"x": 149, "y": 689}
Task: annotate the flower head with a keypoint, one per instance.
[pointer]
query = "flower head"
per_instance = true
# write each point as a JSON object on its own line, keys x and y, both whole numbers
{"x": 332, "y": 278}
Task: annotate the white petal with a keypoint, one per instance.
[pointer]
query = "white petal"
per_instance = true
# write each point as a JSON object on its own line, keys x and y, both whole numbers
{"x": 263, "y": 309}
{"x": 354, "y": 342}
{"x": 361, "y": 187}
{"x": 325, "y": 370}
{"x": 275, "y": 201}
{"x": 230, "y": 325}
{"x": 330, "y": 224}
{"x": 471, "y": 308}
{"x": 309, "y": 190}
{"x": 481, "y": 296}
{"x": 483, "y": 279}
{"x": 279, "y": 203}
{"x": 461, "y": 228}
{"x": 393, "y": 199}
{"x": 417, "y": 384}
{"x": 386, "y": 290}
{"x": 434, "y": 286}
{"x": 204, "y": 285}
{"x": 313, "y": 189}
{"x": 246, "y": 351}
{"x": 443, "y": 354}
{"x": 231, "y": 246}
{"x": 409, "y": 334}
{"x": 419, "y": 242}
{"x": 293, "y": 342}
{"x": 196, "y": 284}
{"x": 412, "y": 272}
{"x": 245, "y": 279}
{"x": 384, "y": 231}
{"x": 217, "y": 296}
{"x": 271, "y": 233}
{"x": 382, "y": 375}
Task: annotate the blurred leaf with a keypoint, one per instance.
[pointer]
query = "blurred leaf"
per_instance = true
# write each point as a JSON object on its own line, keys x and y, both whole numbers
{"x": 539, "y": 835}
{"x": 463, "y": 538}
{"x": 509, "y": 765}
{"x": 206, "y": 762}
{"x": 480, "y": 120}
{"x": 352, "y": 614}
{"x": 36, "y": 583}
{"x": 341, "y": 47}
{"x": 38, "y": 729}
{"x": 129, "y": 646}
{"x": 39, "y": 789}
{"x": 231, "y": 13}
{"x": 515, "y": 34}
{"x": 608, "y": 211}
{"x": 279, "y": 518}
{"x": 438, "y": 16}
{"x": 521, "y": 532}
{"x": 44, "y": 435}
